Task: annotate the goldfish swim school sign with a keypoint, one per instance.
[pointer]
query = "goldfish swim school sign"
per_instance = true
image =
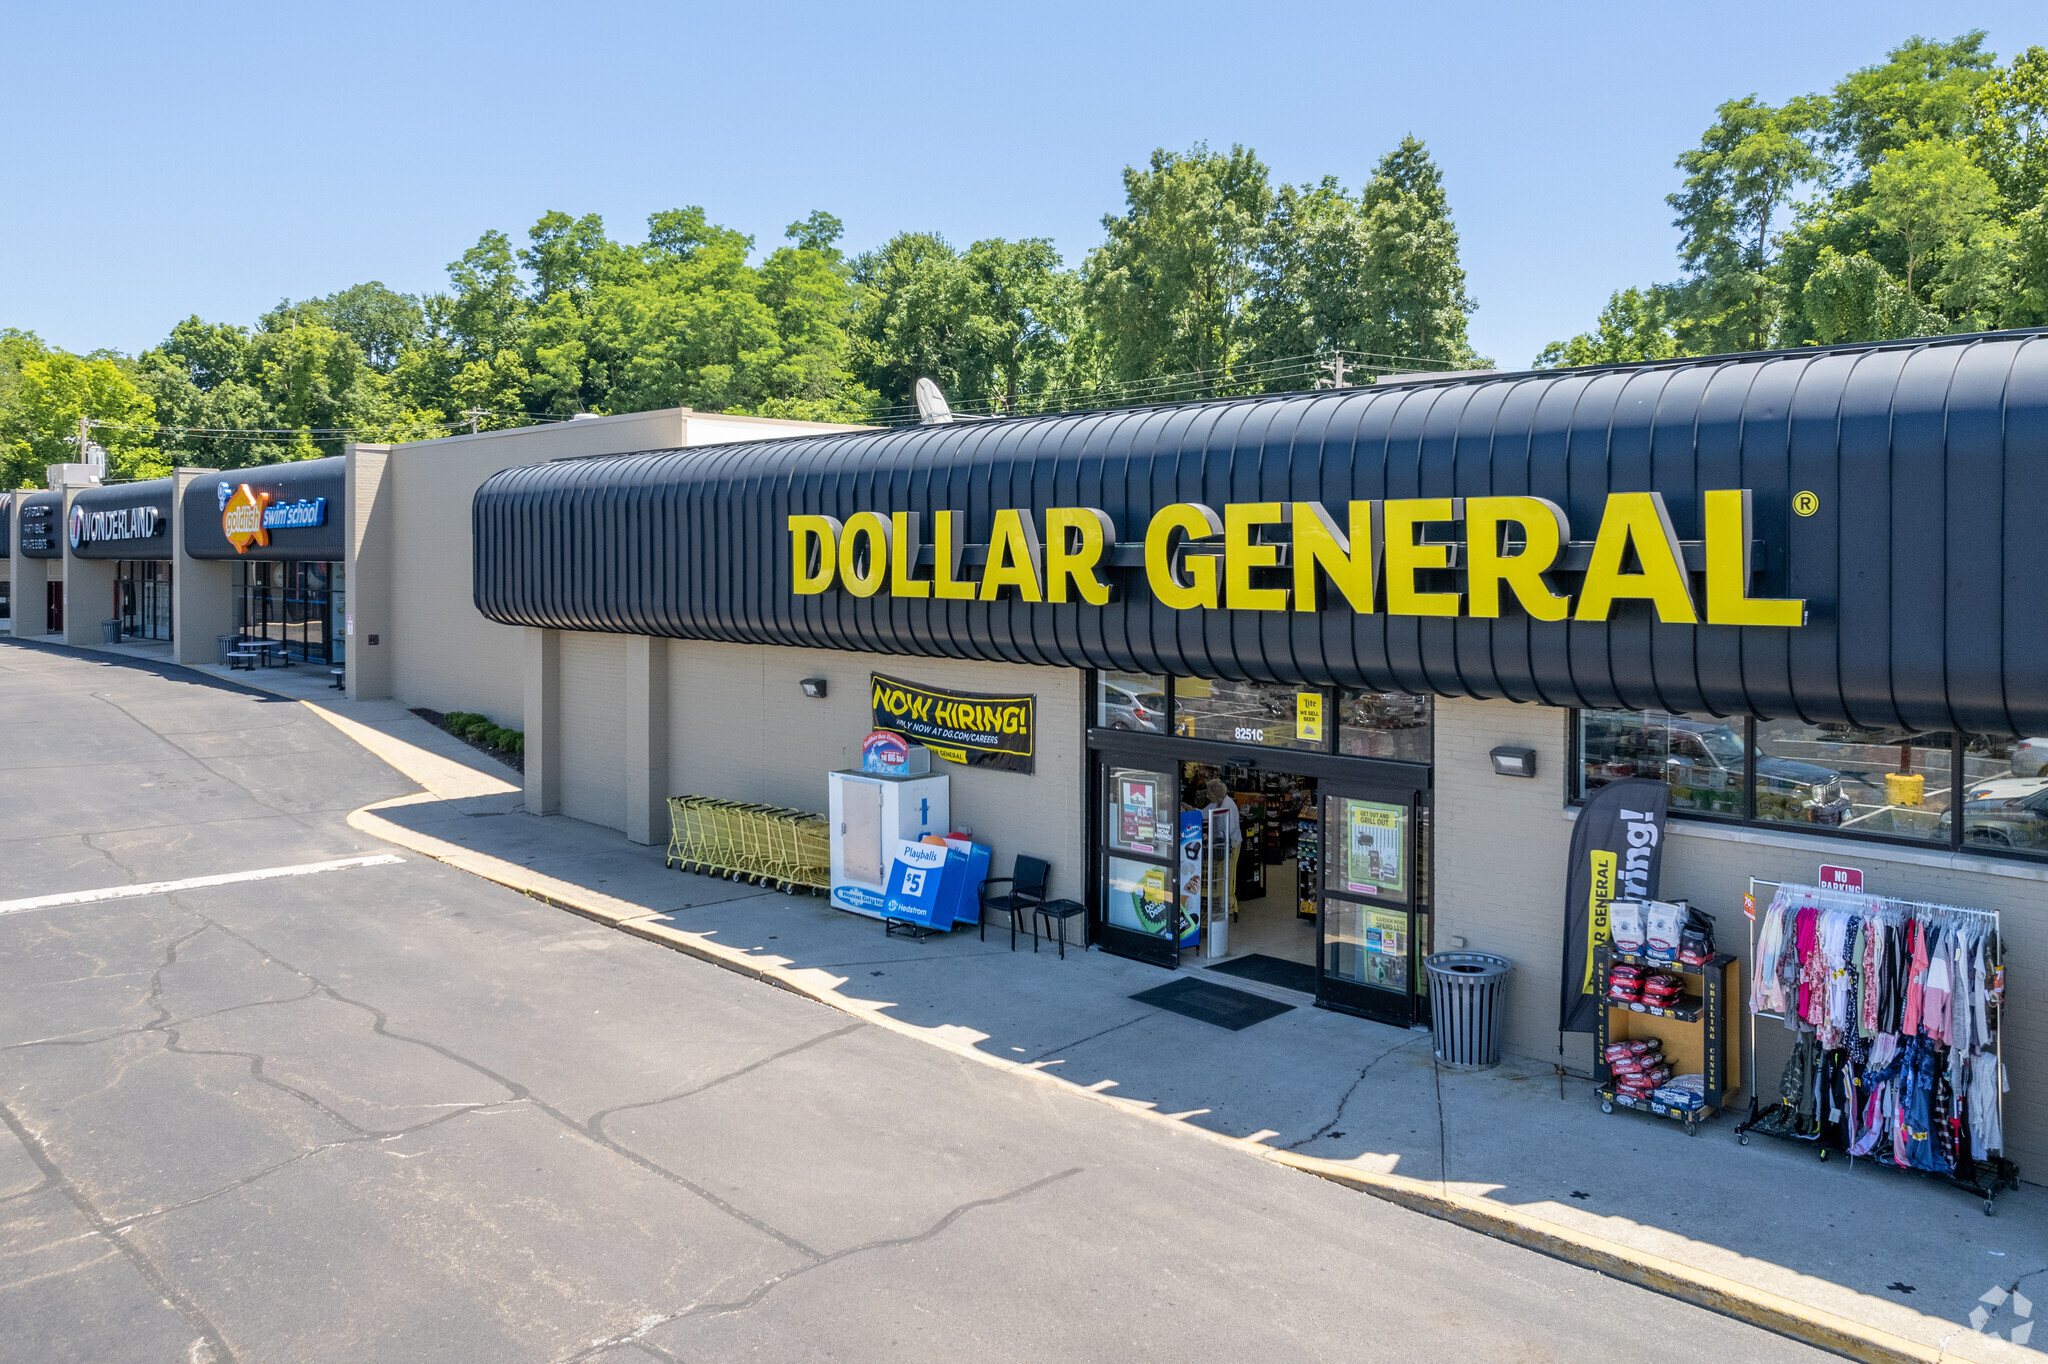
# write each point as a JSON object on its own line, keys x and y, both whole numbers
{"x": 1427, "y": 556}
{"x": 247, "y": 517}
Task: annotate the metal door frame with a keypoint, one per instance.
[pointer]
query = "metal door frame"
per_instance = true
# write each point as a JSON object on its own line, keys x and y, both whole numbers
{"x": 1118, "y": 941}
{"x": 1344, "y": 996}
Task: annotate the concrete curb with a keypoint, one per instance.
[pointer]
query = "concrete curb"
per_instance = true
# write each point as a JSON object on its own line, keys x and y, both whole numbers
{"x": 1757, "y": 1307}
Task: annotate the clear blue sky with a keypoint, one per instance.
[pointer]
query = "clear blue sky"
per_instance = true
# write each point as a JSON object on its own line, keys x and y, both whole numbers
{"x": 164, "y": 160}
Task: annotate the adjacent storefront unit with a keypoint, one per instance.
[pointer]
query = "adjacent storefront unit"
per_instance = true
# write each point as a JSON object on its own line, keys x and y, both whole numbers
{"x": 281, "y": 528}
{"x": 120, "y": 540}
{"x": 1407, "y": 628}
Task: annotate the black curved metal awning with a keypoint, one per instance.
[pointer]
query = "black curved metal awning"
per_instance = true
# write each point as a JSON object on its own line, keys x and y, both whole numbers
{"x": 1927, "y": 601}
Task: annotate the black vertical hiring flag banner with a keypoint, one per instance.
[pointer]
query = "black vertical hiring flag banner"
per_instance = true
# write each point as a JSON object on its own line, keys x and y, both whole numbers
{"x": 1617, "y": 848}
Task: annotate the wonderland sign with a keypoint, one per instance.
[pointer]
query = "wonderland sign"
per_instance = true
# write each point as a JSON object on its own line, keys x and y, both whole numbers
{"x": 1432, "y": 556}
{"x": 116, "y": 523}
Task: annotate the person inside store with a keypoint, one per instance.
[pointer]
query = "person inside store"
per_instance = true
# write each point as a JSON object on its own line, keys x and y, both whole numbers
{"x": 1220, "y": 815}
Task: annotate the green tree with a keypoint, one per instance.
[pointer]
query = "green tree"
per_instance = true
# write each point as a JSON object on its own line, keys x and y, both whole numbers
{"x": 1738, "y": 180}
{"x": 1168, "y": 290}
{"x": 1635, "y": 325}
{"x": 55, "y": 390}
{"x": 915, "y": 320}
{"x": 382, "y": 322}
{"x": 1929, "y": 195}
{"x": 2012, "y": 128}
{"x": 1025, "y": 310}
{"x": 1377, "y": 273}
{"x": 1853, "y": 298}
{"x": 1923, "y": 90}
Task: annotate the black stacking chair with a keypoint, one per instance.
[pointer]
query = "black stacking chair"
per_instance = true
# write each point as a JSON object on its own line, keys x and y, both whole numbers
{"x": 1026, "y": 893}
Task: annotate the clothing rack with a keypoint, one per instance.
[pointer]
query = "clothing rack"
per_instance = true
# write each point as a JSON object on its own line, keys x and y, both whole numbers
{"x": 2002, "y": 1172}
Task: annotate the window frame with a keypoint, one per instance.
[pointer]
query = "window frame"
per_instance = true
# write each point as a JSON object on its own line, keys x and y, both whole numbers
{"x": 1574, "y": 773}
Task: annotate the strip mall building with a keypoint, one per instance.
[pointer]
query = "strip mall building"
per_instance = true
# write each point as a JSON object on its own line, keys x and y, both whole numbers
{"x": 1421, "y": 619}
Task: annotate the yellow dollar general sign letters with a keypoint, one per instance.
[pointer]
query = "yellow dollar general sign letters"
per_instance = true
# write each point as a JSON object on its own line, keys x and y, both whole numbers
{"x": 1403, "y": 556}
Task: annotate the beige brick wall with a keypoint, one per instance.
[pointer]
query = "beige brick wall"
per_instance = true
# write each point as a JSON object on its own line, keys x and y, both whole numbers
{"x": 741, "y": 728}
{"x": 1500, "y": 867}
{"x": 444, "y": 654}
{"x": 593, "y": 728}
{"x": 1501, "y": 845}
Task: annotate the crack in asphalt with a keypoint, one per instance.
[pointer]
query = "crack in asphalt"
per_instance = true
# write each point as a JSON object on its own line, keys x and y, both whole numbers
{"x": 521, "y": 1092}
{"x": 179, "y": 1302}
{"x": 595, "y": 1122}
{"x": 767, "y": 1286}
{"x": 1338, "y": 1116}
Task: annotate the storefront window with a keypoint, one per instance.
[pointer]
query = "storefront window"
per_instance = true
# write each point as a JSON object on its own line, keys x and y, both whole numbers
{"x": 1891, "y": 784}
{"x": 1265, "y": 713}
{"x": 1700, "y": 759}
{"x": 1874, "y": 781}
{"x": 1130, "y": 701}
{"x": 2004, "y": 796}
{"x": 1384, "y": 724}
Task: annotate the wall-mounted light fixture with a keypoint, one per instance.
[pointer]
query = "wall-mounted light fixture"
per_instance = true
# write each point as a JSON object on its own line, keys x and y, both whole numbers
{"x": 814, "y": 687}
{"x": 1514, "y": 762}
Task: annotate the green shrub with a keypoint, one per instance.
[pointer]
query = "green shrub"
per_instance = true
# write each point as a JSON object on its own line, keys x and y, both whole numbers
{"x": 469, "y": 725}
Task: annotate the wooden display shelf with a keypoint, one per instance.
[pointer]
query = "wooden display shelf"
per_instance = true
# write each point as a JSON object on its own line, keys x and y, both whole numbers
{"x": 1693, "y": 1033}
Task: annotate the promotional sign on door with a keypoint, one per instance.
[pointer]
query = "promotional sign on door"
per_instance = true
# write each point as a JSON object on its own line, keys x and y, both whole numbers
{"x": 1373, "y": 861}
{"x": 1308, "y": 716}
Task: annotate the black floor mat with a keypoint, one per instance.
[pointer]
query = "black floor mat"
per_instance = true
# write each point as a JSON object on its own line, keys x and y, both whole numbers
{"x": 1288, "y": 975}
{"x": 1218, "y": 1004}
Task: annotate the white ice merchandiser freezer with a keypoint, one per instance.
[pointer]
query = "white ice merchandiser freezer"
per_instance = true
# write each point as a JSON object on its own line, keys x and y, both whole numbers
{"x": 869, "y": 812}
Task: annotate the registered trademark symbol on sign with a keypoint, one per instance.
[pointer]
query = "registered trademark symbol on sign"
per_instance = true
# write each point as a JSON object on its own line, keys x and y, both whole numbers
{"x": 1806, "y": 504}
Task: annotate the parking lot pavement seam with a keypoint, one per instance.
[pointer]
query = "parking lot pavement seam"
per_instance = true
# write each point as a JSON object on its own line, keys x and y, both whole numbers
{"x": 520, "y": 1093}
{"x": 595, "y": 1123}
{"x": 1701, "y": 1288}
{"x": 195, "y": 1316}
{"x": 767, "y": 1286}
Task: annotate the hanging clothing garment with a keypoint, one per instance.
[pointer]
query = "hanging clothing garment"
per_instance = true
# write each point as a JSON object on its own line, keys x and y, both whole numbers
{"x": 1987, "y": 1129}
{"x": 1765, "y": 994}
{"x": 1897, "y": 966}
{"x": 1866, "y": 983}
{"x": 1788, "y": 966}
{"x": 1916, "y": 981}
{"x": 1812, "y": 968}
{"x": 1934, "y": 993}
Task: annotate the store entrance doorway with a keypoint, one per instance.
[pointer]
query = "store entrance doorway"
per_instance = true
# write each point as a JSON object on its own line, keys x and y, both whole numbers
{"x": 1294, "y": 872}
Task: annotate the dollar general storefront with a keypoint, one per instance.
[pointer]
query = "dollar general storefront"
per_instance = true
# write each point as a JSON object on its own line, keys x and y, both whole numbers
{"x": 1416, "y": 622}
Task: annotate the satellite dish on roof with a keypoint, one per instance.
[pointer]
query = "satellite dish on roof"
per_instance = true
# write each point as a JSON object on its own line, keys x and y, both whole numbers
{"x": 931, "y": 404}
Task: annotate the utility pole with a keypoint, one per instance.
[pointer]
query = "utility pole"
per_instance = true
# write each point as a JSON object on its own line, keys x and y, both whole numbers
{"x": 475, "y": 415}
{"x": 1335, "y": 366}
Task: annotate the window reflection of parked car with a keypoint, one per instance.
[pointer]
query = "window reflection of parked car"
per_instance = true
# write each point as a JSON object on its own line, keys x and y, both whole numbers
{"x": 1128, "y": 708}
{"x": 2011, "y": 812}
{"x": 2029, "y": 757}
{"x": 1702, "y": 761}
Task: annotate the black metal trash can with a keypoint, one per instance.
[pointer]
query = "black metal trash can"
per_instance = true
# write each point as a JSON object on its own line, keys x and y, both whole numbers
{"x": 226, "y": 642}
{"x": 110, "y": 631}
{"x": 1467, "y": 1007}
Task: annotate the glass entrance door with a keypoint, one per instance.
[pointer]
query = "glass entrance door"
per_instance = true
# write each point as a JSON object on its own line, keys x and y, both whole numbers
{"x": 1370, "y": 903}
{"x": 1140, "y": 859}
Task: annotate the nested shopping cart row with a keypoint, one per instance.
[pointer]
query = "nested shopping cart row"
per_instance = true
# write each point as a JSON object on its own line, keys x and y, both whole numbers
{"x": 742, "y": 841}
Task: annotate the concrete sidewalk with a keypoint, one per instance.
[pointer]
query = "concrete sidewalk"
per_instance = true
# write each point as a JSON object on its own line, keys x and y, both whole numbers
{"x": 1888, "y": 1250}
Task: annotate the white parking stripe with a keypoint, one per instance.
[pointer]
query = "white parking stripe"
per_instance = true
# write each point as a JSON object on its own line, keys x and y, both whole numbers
{"x": 86, "y": 897}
